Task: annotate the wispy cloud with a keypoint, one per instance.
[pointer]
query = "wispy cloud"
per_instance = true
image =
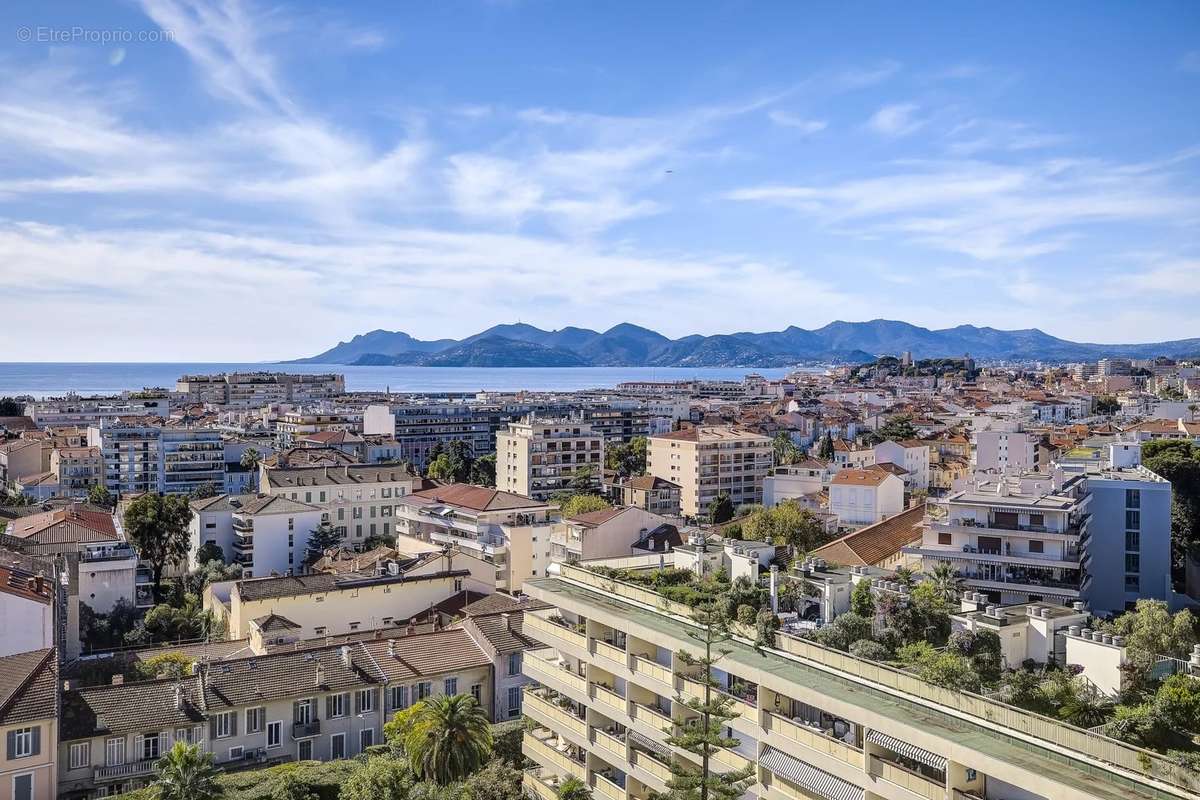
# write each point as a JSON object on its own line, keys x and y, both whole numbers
{"x": 898, "y": 119}
{"x": 802, "y": 124}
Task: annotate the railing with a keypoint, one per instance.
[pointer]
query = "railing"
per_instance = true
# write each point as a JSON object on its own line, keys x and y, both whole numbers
{"x": 996, "y": 714}
{"x": 555, "y": 632}
{"x": 814, "y": 741}
{"x": 553, "y": 715}
{"x": 652, "y": 765}
{"x": 547, "y": 672}
{"x": 652, "y": 717}
{"x": 607, "y": 789}
{"x": 607, "y": 697}
{"x": 536, "y": 786}
{"x": 652, "y": 669}
{"x": 301, "y": 730}
{"x": 907, "y": 778}
{"x": 611, "y": 652}
{"x": 547, "y": 756}
{"x": 124, "y": 770}
{"x": 745, "y": 709}
{"x": 609, "y": 743}
{"x": 731, "y": 760}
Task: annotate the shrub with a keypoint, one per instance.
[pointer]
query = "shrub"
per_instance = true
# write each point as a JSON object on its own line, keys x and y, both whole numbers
{"x": 872, "y": 651}
{"x": 745, "y": 614}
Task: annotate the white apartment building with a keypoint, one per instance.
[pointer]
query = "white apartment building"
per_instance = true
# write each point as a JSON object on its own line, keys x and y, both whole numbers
{"x": 142, "y": 456}
{"x": 505, "y": 529}
{"x": 358, "y": 500}
{"x": 74, "y": 410}
{"x": 795, "y": 481}
{"x": 860, "y": 497}
{"x": 610, "y": 533}
{"x": 708, "y": 461}
{"x": 912, "y": 456}
{"x": 538, "y": 457}
{"x": 270, "y": 534}
{"x": 1006, "y": 451}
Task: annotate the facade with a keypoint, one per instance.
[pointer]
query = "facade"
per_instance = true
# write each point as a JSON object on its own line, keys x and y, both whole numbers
{"x": 29, "y": 725}
{"x": 1004, "y": 451}
{"x": 812, "y": 723}
{"x": 709, "y": 461}
{"x": 358, "y": 500}
{"x": 293, "y": 426}
{"x": 602, "y": 534}
{"x": 506, "y": 530}
{"x": 911, "y": 456}
{"x": 87, "y": 411}
{"x": 795, "y": 481}
{"x": 865, "y": 496}
{"x": 651, "y": 493}
{"x": 257, "y": 389}
{"x": 27, "y": 606}
{"x": 270, "y": 534}
{"x": 77, "y": 469}
{"x": 22, "y": 458}
{"x": 537, "y": 457}
{"x": 142, "y": 456}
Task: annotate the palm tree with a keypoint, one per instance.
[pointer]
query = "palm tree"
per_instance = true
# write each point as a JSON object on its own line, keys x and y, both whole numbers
{"x": 1084, "y": 706}
{"x": 946, "y": 582}
{"x": 250, "y": 460}
{"x": 449, "y": 738}
{"x": 573, "y": 789}
{"x": 186, "y": 773}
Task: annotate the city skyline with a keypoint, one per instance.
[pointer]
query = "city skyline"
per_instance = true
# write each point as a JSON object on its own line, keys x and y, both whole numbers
{"x": 251, "y": 182}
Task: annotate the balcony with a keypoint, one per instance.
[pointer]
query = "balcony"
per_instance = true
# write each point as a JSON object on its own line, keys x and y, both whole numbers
{"x": 606, "y": 788}
{"x": 609, "y": 701}
{"x": 655, "y": 719}
{"x": 548, "y": 711}
{"x": 916, "y": 782}
{"x": 730, "y": 760}
{"x": 610, "y": 744}
{"x": 611, "y": 652}
{"x": 549, "y": 673}
{"x": 302, "y": 730}
{"x": 539, "y": 788}
{"x": 243, "y": 544}
{"x": 742, "y": 706}
{"x": 559, "y": 759}
{"x": 243, "y": 524}
{"x": 651, "y": 764}
{"x": 814, "y": 739}
{"x": 130, "y": 770}
{"x": 554, "y": 634}
{"x": 652, "y": 669}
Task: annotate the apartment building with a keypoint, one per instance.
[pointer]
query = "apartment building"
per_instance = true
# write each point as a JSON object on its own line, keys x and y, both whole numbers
{"x": 358, "y": 500}
{"x": 912, "y": 456}
{"x": 140, "y": 455}
{"x": 21, "y": 459}
{"x": 711, "y": 460}
{"x": 293, "y": 426}
{"x": 1006, "y": 451}
{"x": 27, "y": 609}
{"x": 312, "y": 704}
{"x": 811, "y": 722}
{"x": 29, "y": 725}
{"x": 860, "y": 497}
{"x": 271, "y": 533}
{"x": 418, "y": 427}
{"x": 795, "y": 481}
{"x": 610, "y": 533}
{"x": 87, "y": 411}
{"x": 651, "y": 493}
{"x": 257, "y": 389}
{"x": 77, "y": 469}
{"x": 504, "y": 529}
{"x": 538, "y": 457}
{"x": 384, "y": 593}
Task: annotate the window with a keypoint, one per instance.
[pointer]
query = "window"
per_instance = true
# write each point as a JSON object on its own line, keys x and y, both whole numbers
{"x": 1133, "y": 540}
{"x": 224, "y": 725}
{"x": 81, "y": 755}
{"x": 236, "y": 752}
{"x": 1036, "y": 546}
{"x": 304, "y": 750}
{"x": 514, "y": 663}
{"x": 1133, "y": 498}
{"x": 148, "y": 750}
{"x": 335, "y": 705}
{"x": 291, "y": 523}
{"x": 274, "y": 734}
{"x": 945, "y": 538}
{"x": 366, "y": 738}
{"x": 114, "y": 751}
{"x": 399, "y": 698}
{"x": 1132, "y": 584}
{"x": 514, "y": 701}
{"x": 1133, "y": 562}
{"x": 424, "y": 689}
{"x": 302, "y": 711}
{"x": 1133, "y": 520}
{"x": 337, "y": 745}
{"x": 477, "y": 692}
{"x": 450, "y": 687}
{"x": 255, "y": 719}
{"x": 23, "y": 787}
{"x": 364, "y": 701}
{"x": 23, "y": 742}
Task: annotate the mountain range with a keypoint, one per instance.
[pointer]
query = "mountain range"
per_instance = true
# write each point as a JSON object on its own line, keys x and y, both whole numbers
{"x": 626, "y": 345}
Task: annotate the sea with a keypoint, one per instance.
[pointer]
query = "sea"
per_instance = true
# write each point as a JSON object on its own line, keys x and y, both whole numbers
{"x": 56, "y": 379}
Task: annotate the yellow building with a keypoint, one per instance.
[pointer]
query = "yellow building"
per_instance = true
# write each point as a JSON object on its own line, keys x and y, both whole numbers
{"x": 709, "y": 461}
{"x": 28, "y": 725}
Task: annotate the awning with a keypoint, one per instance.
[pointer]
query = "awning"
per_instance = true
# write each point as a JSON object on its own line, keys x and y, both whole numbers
{"x": 907, "y": 750}
{"x": 808, "y": 777}
{"x": 650, "y": 744}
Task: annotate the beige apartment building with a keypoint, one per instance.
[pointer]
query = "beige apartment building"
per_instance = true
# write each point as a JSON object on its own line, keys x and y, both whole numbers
{"x": 28, "y": 725}
{"x": 811, "y": 722}
{"x": 77, "y": 469}
{"x": 708, "y": 461}
{"x": 538, "y": 457}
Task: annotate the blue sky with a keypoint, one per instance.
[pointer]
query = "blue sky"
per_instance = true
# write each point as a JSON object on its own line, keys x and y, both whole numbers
{"x": 238, "y": 180}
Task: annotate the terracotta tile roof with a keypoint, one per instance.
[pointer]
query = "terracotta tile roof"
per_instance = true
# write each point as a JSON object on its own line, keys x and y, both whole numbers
{"x": 28, "y": 686}
{"x": 860, "y": 477}
{"x": 246, "y": 681}
{"x": 333, "y": 437}
{"x": 500, "y": 603}
{"x": 22, "y": 583}
{"x": 593, "y": 519}
{"x": 887, "y": 466}
{"x": 649, "y": 482}
{"x": 71, "y": 525}
{"x": 275, "y": 622}
{"x": 875, "y": 543}
{"x": 129, "y": 707}
{"x": 427, "y": 654}
{"x": 504, "y": 631}
{"x": 274, "y": 504}
{"x": 476, "y": 498}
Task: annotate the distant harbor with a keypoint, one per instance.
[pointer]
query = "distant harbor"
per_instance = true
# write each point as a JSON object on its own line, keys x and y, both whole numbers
{"x": 56, "y": 379}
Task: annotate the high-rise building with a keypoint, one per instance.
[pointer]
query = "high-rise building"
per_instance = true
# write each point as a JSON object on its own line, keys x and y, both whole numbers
{"x": 538, "y": 457}
{"x": 140, "y": 456}
{"x": 711, "y": 460}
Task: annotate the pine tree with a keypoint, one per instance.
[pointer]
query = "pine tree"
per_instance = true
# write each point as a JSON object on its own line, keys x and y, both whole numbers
{"x": 826, "y": 451}
{"x": 715, "y": 709}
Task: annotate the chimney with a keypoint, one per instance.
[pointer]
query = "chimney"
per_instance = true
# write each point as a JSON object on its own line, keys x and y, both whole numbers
{"x": 392, "y": 648}
{"x": 178, "y": 696}
{"x": 39, "y": 581}
{"x": 412, "y": 626}
{"x": 774, "y": 589}
{"x": 118, "y": 679}
{"x": 507, "y": 620}
{"x": 320, "y": 680}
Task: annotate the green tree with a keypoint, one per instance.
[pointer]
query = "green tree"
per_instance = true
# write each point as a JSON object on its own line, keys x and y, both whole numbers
{"x": 250, "y": 460}
{"x": 498, "y": 780}
{"x": 572, "y": 788}
{"x": 1178, "y": 461}
{"x": 1084, "y": 706}
{"x": 185, "y": 772}
{"x": 787, "y": 523}
{"x": 785, "y": 449}
{"x": 11, "y": 407}
{"x": 825, "y": 451}
{"x": 204, "y": 491}
{"x": 448, "y": 739}
{"x": 714, "y": 709}
{"x": 1107, "y": 405}
{"x": 166, "y": 665}
{"x": 720, "y": 509}
{"x": 167, "y": 623}
{"x": 578, "y": 504}
{"x": 627, "y": 459}
{"x": 291, "y": 785}
{"x": 1178, "y": 702}
{"x": 99, "y": 496}
{"x": 861, "y": 600}
{"x": 210, "y": 551}
{"x": 945, "y": 583}
{"x": 584, "y": 480}
{"x": 1150, "y": 631}
{"x": 440, "y": 469}
{"x": 483, "y": 471}
{"x": 157, "y": 525}
{"x": 380, "y": 778}
{"x": 897, "y": 428}
{"x": 320, "y": 539}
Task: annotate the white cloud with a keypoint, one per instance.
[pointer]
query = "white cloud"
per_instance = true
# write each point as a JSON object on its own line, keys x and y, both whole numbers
{"x": 896, "y": 120}
{"x": 805, "y": 126}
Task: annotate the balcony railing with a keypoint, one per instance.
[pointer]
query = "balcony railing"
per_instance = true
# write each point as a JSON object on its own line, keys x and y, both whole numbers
{"x": 652, "y": 669}
{"x": 538, "y": 666}
{"x": 132, "y": 769}
{"x": 557, "y": 760}
{"x": 552, "y": 715}
{"x": 606, "y": 788}
{"x": 912, "y": 780}
{"x": 607, "y": 698}
{"x": 654, "y": 766}
{"x": 552, "y": 633}
{"x": 301, "y": 730}
{"x": 540, "y": 789}
{"x": 814, "y": 740}
{"x": 608, "y": 743}
{"x": 611, "y": 652}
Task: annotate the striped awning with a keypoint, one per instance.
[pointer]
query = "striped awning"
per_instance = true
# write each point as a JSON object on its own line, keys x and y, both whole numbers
{"x": 650, "y": 744}
{"x": 808, "y": 777}
{"x": 907, "y": 750}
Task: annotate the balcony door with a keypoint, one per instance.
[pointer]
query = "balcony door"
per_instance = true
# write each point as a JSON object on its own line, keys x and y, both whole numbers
{"x": 304, "y": 750}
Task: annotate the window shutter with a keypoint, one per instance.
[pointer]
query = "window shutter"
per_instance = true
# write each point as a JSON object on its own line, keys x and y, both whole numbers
{"x": 212, "y": 728}
{"x": 233, "y": 723}
{"x": 329, "y": 707}
{"x": 11, "y": 743}
{"x": 164, "y": 742}
{"x": 357, "y": 703}
{"x": 37, "y": 740}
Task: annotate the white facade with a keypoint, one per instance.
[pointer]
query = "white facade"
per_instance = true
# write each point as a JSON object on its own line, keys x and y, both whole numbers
{"x": 1001, "y": 451}
{"x": 913, "y": 457}
{"x": 865, "y": 503}
{"x": 793, "y": 482}
{"x": 26, "y": 623}
{"x": 273, "y": 539}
